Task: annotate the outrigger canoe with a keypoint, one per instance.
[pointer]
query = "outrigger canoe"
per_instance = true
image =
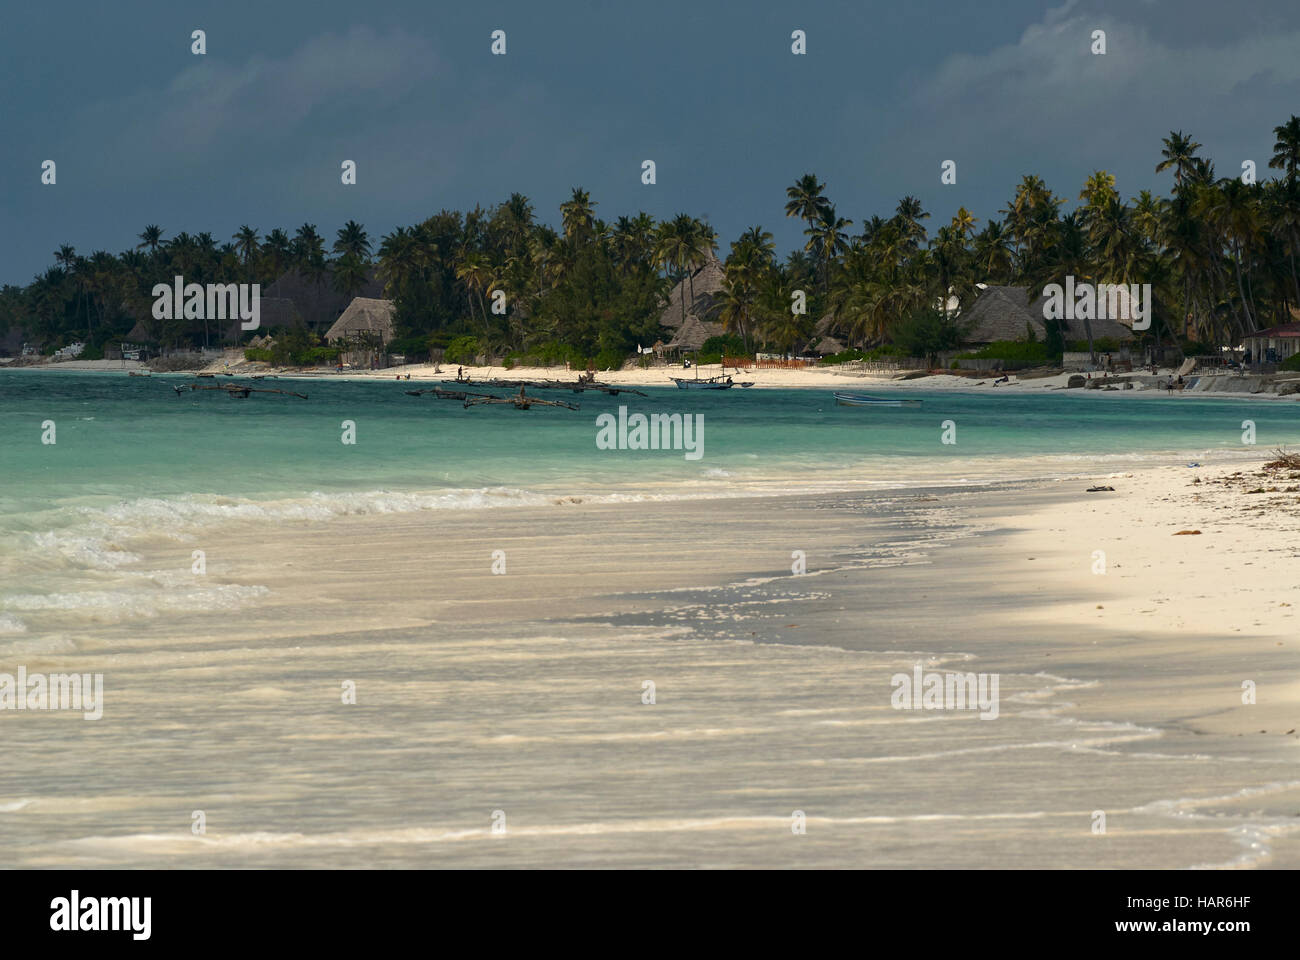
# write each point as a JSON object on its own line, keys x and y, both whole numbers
{"x": 863, "y": 400}
{"x": 712, "y": 383}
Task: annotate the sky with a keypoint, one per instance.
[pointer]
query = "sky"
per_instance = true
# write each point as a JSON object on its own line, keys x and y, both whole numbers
{"x": 254, "y": 131}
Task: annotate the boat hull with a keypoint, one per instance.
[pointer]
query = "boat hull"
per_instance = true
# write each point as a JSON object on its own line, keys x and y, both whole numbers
{"x": 700, "y": 384}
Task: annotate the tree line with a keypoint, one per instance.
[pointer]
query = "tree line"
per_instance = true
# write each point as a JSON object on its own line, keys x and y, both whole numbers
{"x": 1219, "y": 253}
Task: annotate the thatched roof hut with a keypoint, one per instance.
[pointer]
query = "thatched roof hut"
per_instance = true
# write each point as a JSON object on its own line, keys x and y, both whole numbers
{"x": 365, "y": 319}
{"x": 316, "y": 301}
{"x": 1006, "y": 313}
{"x": 703, "y": 283}
{"x": 692, "y": 334}
{"x": 828, "y": 346}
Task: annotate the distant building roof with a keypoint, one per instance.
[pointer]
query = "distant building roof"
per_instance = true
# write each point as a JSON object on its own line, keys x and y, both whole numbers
{"x": 692, "y": 334}
{"x": 704, "y": 283}
{"x": 828, "y": 346}
{"x": 316, "y": 300}
{"x": 364, "y": 316}
{"x": 1285, "y": 330}
{"x": 1005, "y": 313}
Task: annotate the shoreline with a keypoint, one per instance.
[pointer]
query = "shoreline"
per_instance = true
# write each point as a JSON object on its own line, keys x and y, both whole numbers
{"x": 762, "y": 378}
{"x": 773, "y": 689}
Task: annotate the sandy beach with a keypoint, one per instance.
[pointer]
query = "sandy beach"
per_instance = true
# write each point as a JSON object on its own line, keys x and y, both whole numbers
{"x": 521, "y": 696}
{"x": 812, "y": 377}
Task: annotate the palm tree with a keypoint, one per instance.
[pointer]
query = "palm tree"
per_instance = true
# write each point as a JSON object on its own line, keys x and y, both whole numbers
{"x": 352, "y": 241}
{"x": 827, "y": 239}
{"x": 734, "y": 303}
{"x": 151, "y": 237}
{"x": 1286, "y": 151}
{"x": 806, "y": 199}
{"x": 908, "y": 216}
{"x": 963, "y": 221}
{"x": 475, "y": 272}
{"x": 246, "y": 244}
{"x": 950, "y": 258}
{"x": 577, "y": 215}
{"x": 755, "y": 247}
{"x": 993, "y": 252}
{"x": 399, "y": 257}
{"x": 308, "y": 252}
{"x": 77, "y": 270}
{"x": 701, "y": 242}
{"x": 674, "y": 247}
{"x": 1228, "y": 212}
{"x": 350, "y": 274}
{"x": 277, "y": 251}
{"x": 782, "y": 328}
{"x": 519, "y": 220}
{"x": 1179, "y": 152}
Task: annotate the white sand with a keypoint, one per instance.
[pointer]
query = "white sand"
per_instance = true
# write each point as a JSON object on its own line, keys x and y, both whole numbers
{"x": 1121, "y": 692}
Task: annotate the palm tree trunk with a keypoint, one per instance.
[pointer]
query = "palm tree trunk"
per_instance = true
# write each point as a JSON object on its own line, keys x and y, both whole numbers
{"x": 1245, "y": 306}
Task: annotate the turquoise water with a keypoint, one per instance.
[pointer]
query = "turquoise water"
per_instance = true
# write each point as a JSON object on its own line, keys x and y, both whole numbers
{"x": 540, "y": 715}
{"x": 132, "y": 437}
{"x": 135, "y": 464}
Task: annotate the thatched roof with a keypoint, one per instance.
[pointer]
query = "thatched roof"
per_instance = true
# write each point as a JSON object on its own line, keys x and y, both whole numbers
{"x": 705, "y": 282}
{"x": 1005, "y": 313}
{"x": 828, "y": 346}
{"x": 316, "y": 301}
{"x": 364, "y": 316}
{"x": 139, "y": 334}
{"x": 692, "y": 334}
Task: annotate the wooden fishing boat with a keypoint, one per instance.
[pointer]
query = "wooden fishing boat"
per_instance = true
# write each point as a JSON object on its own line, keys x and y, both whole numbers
{"x": 233, "y": 390}
{"x": 442, "y": 394}
{"x": 720, "y": 382}
{"x": 713, "y": 383}
{"x": 520, "y": 400}
{"x": 864, "y": 400}
{"x": 579, "y": 386}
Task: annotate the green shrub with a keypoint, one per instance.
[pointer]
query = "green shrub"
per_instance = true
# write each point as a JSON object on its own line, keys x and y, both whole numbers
{"x": 415, "y": 348}
{"x": 316, "y": 355}
{"x": 1290, "y": 363}
{"x": 726, "y": 345}
{"x": 928, "y": 332}
{"x": 1014, "y": 354}
{"x": 463, "y": 350}
{"x": 610, "y": 359}
{"x": 258, "y": 354}
{"x": 1099, "y": 344}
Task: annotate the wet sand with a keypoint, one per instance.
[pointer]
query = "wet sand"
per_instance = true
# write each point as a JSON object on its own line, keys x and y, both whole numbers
{"x": 517, "y": 698}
